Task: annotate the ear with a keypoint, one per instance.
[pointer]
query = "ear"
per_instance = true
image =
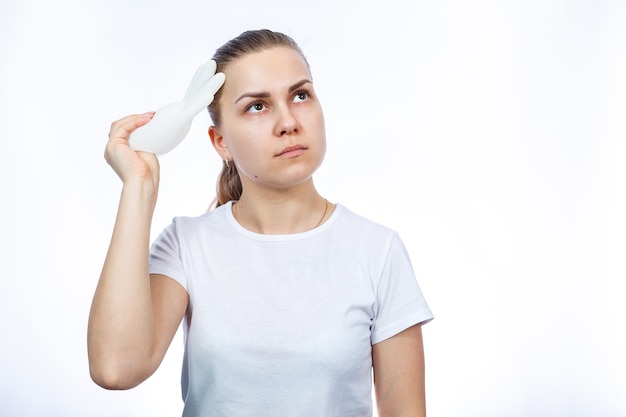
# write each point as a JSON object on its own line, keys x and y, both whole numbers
{"x": 217, "y": 140}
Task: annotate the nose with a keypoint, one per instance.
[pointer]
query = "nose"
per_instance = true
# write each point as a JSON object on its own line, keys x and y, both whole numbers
{"x": 286, "y": 124}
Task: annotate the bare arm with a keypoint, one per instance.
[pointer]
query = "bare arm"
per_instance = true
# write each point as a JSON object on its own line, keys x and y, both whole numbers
{"x": 133, "y": 317}
{"x": 399, "y": 374}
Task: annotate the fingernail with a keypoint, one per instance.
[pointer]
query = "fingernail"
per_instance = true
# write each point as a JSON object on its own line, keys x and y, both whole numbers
{"x": 148, "y": 115}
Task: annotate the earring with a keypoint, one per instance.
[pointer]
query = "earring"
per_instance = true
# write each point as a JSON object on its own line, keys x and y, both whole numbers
{"x": 227, "y": 163}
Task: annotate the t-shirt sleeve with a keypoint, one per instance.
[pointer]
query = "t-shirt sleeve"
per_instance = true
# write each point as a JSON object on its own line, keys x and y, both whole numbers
{"x": 400, "y": 303}
{"x": 165, "y": 255}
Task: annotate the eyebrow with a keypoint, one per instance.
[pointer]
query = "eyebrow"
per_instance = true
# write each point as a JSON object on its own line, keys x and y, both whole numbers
{"x": 264, "y": 94}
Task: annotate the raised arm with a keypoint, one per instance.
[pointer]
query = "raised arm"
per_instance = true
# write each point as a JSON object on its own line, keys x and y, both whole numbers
{"x": 399, "y": 374}
{"x": 133, "y": 316}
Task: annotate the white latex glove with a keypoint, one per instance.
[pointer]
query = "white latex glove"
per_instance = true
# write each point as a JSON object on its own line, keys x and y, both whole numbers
{"x": 171, "y": 123}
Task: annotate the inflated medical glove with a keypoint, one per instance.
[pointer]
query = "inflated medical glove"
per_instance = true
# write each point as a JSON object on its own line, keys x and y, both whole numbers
{"x": 171, "y": 123}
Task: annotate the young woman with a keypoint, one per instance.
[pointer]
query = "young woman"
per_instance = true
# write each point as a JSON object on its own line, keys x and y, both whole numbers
{"x": 288, "y": 300}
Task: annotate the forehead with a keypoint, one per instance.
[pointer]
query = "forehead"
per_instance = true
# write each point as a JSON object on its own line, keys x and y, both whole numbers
{"x": 266, "y": 70}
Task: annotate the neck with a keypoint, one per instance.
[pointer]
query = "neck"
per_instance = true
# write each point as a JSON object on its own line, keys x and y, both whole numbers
{"x": 283, "y": 212}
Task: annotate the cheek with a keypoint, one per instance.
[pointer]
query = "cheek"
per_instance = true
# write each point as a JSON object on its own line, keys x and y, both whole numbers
{"x": 315, "y": 117}
{"x": 318, "y": 127}
{"x": 238, "y": 137}
{"x": 247, "y": 152}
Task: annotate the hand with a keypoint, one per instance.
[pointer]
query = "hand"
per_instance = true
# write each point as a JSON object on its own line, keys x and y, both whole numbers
{"x": 131, "y": 165}
{"x": 171, "y": 123}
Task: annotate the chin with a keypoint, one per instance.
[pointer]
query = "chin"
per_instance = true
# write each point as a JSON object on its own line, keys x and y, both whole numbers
{"x": 294, "y": 176}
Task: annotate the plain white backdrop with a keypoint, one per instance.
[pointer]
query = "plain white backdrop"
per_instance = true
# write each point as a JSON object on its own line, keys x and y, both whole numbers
{"x": 490, "y": 134}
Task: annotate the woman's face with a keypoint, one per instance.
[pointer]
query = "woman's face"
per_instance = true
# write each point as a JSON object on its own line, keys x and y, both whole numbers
{"x": 272, "y": 123}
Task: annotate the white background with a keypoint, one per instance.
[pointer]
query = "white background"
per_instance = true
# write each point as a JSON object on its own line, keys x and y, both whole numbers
{"x": 489, "y": 133}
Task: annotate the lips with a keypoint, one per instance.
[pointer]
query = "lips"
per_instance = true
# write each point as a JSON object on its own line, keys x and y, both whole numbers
{"x": 292, "y": 151}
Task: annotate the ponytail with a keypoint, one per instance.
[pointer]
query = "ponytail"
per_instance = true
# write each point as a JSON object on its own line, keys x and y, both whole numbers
{"x": 228, "y": 185}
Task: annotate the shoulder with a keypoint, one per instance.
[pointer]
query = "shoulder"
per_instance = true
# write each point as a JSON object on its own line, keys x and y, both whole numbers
{"x": 360, "y": 224}
{"x": 363, "y": 232}
{"x": 189, "y": 226}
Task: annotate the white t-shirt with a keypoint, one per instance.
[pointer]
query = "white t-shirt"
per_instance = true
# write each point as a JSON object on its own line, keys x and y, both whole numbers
{"x": 283, "y": 325}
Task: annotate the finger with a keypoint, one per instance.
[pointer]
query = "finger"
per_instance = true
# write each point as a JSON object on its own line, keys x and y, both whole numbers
{"x": 124, "y": 127}
{"x": 216, "y": 82}
{"x": 201, "y": 76}
{"x": 205, "y": 96}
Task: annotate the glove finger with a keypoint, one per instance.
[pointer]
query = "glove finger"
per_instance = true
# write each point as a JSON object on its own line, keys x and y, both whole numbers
{"x": 205, "y": 96}
{"x": 200, "y": 77}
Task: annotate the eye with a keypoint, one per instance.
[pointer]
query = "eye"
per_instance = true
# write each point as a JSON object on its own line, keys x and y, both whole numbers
{"x": 255, "y": 107}
{"x": 301, "y": 96}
